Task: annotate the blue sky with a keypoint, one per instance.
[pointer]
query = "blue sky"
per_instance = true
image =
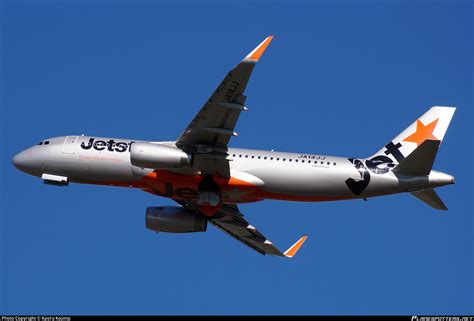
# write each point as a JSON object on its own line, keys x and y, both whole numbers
{"x": 339, "y": 78}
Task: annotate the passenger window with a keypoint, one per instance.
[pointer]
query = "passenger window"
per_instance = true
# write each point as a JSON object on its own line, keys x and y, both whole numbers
{"x": 296, "y": 160}
{"x": 284, "y": 159}
{"x": 265, "y": 157}
{"x": 290, "y": 160}
{"x": 253, "y": 156}
{"x": 258, "y": 157}
{"x": 302, "y": 161}
{"x": 334, "y": 163}
{"x": 278, "y": 158}
{"x": 271, "y": 158}
{"x": 240, "y": 155}
{"x": 329, "y": 163}
{"x": 246, "y": 156}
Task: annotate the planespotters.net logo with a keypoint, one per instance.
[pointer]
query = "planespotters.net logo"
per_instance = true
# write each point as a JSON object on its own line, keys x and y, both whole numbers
{"x": 416, "y": 318}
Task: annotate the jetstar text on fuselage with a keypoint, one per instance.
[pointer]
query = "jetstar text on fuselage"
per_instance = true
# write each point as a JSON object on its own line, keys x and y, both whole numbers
{"x": 110, "y": 145}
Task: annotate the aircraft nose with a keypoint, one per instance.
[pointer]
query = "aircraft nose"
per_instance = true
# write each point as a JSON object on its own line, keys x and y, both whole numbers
{"x": 21, "y": 160}
{"x": 25, "y": 162}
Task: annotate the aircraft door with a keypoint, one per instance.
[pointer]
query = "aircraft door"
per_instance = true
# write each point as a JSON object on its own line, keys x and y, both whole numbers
{"x": 69, "y": 145}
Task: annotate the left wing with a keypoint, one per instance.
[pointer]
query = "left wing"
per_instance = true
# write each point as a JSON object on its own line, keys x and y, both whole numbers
{"x": 209, "y": 132}
{"x": 230, "y": 220}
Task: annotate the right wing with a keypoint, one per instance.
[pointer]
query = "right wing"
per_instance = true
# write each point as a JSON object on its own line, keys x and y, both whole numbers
{"x": 209, "y": 132}
{"x": 231, "y": 221}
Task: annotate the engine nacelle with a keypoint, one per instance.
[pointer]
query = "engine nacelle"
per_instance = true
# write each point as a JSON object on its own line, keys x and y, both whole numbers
{"x": 149, "y": 155}
{"x": 173, "y": 219}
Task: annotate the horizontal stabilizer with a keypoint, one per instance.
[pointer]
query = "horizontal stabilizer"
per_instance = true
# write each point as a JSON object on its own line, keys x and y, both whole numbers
{"x": 420, "y": 162}
{"x": 430, "y": 197}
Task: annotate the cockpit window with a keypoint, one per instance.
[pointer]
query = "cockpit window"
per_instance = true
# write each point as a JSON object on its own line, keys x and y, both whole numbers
{"x": 46, "y": 142}
{"x": 40, "y": 143}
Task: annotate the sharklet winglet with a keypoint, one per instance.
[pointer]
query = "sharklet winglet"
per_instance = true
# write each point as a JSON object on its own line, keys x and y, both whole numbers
{"x": 259, "y": 50}
{"x": 291, "y": 252}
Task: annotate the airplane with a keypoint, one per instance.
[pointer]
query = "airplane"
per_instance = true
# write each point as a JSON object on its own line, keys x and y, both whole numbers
{"x": 209, "y": 180}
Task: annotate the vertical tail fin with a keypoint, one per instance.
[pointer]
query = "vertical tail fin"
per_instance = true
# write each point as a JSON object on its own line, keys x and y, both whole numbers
{"x": 432, "y": 125}
{"x": 420, "y": 162}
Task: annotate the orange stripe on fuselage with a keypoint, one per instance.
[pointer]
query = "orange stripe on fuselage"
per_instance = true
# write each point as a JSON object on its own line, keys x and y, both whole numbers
{"x": 184, "y": 187}
{"x": 239, "y": 183}
{"x": 179, "y": 186}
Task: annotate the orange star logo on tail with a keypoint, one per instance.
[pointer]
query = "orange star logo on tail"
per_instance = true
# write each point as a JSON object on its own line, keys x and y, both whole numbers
{"x": 422, "y": 133}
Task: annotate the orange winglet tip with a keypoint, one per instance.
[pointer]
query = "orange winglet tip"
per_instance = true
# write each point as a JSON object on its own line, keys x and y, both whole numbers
{"x": 295, "y": 247}
{"x": 258, "y": 52}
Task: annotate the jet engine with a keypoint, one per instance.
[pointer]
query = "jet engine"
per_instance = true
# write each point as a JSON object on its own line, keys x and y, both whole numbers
{"x": 149, "y": 155}
{"x": 173, "y": 219}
